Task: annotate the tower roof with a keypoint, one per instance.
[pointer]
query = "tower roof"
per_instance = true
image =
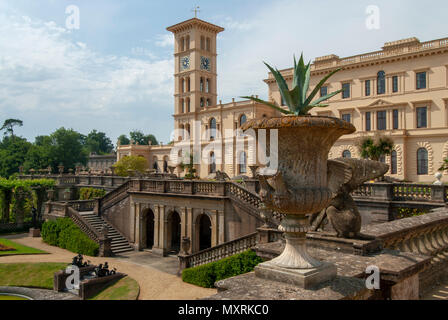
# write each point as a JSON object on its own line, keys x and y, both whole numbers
{"x": 195, "y": 22}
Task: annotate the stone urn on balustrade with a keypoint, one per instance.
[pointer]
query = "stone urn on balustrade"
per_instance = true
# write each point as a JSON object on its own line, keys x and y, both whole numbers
{"x": 297, "y": 188}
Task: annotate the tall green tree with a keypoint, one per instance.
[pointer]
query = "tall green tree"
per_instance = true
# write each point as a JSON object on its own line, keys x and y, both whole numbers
{"x": 98, "y": 143}
{"x": 13, "y": 151}
{"x": 142, "y": 139}
{"x": 123, "y": 140}
{"x": 9, "y": 125}
{"x": 68, "y": 148}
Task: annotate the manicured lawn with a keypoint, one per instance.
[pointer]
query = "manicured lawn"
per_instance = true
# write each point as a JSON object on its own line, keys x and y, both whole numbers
{"x": 19, "y": 249}
{"x": 124, "y": 289}
{"x": 5, "y": 297}
{"x": 32, "y": 275}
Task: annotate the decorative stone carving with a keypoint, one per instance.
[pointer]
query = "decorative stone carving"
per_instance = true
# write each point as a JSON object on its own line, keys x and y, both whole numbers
{"x": 300, "y": 187}
{"x": 342, "y": 212}
{"x": 350, "y": 148}
{"x": 438, "y": 181}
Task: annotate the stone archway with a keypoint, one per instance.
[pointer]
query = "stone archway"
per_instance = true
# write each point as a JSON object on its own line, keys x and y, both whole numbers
{"x": 147, "y": 236}
{"x": 203, "y": 232}
{"x": 174, "y": 232}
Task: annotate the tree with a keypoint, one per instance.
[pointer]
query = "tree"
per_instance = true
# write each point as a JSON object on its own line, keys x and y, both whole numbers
{"x": 142, "y": 139}
{"x": 13, "y": 151}
{"x": 98, "y": 143}
{"x": 135, "y": 163}
{"x": 9, "y": 125}
{"x": 375, "y": 147}
{"x": 67, "y": 148}
{"x": 123, "y": 140}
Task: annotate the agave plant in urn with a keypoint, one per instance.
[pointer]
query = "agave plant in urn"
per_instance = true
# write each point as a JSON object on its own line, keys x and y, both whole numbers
{"x": 303, "y": 183}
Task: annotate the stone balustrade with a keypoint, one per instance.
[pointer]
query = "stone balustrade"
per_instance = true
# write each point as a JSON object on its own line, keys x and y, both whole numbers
{"x": 218, "y": 252}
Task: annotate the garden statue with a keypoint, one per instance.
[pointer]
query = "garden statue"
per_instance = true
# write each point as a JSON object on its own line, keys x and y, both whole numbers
{"x": 438, "y": 177}
{"x": 78, "y": 261}
{"x": 103, "y": 271}
{"x": 299, "y": 185}
{"x": 34, "y": 213}
{"x": 342, "y": 212}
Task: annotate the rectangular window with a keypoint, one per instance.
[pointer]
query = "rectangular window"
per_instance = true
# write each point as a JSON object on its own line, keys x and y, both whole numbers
{"x": 422, "y": 117}
{"x": 323, "y": 91}
{"x": 381, "y": 120}
{"x": 421, "y": 80}
{"x": 367, "y": 88}
{"x": 368, "y": 121}
{"x": 395, "y": 119}
{"x": 347, "y": 117}
{"x": 395, "y": 84}
{"x": 345, "y": 90}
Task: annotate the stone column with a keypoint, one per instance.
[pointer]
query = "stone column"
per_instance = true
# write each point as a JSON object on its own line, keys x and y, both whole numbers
{"x": 138, "y": 227}
{"x": 190, "y": 227}
{"x": 215, "y": 228}
{"x": 183, "y": 222}
{"x": 156, "y": 226}
{"x": 221, "y": 226}
{"x": 160, "y": 227}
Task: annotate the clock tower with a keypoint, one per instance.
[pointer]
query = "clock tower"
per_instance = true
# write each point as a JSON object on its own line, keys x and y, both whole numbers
{"x": 195, "y": 72}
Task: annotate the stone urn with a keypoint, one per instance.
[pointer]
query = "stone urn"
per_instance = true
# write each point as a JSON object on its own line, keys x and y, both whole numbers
{"x": 186, "y": 244}
{"x": 171, "y": 169}
{"x": 253, "y": 170}
{"x": 298, "y": 188}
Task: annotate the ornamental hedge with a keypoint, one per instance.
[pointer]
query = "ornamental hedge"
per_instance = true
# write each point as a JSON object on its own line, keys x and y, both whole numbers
{"x": 206, "y": 275}
{"x": 91, "y": 193}
{"x": 18, "y": 196}
{"x": 64, "y": 233}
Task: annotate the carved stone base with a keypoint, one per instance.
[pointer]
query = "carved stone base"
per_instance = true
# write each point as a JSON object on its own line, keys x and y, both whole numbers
{"x": 34, "y": 233}
{"x": 303, "y": 278}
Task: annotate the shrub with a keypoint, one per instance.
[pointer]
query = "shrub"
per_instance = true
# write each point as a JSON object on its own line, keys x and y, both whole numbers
{"x": 135, "y": 163}
{"x": 64, "y": 233}
{"x": 207, "y": 274}
{"x": 408, "y": 212}
{"x": 91, "y": 193}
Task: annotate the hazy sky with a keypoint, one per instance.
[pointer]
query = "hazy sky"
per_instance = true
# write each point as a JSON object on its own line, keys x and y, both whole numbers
{"x": 115, "y": 73}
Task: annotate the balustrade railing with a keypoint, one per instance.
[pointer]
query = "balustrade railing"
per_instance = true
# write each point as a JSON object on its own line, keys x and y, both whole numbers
{"x": 82, "y": 205}
{"x": 219, "y": 252}
{"x": 89, "y": 230}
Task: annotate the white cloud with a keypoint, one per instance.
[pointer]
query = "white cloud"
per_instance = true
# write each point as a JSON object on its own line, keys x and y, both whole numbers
{"x": 165, "y": 40}
{"x": 46, "y": 76}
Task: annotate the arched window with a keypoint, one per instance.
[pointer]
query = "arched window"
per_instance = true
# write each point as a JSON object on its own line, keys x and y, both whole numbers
{"x": 209, "y": 102}
{"x": 346, "y": 154}
{"x": 422, "y": 161}
{"x": 187, "y": 43}
{"x": 242, "y": 120}
{"x": 212, "y": 128}
{"x": 207, "y": 87}
{"x": 182, "y": 105}
{"x": 182, "y": 44}
{"x": 202, "y": 102}
{"x": 381, "y": 82}
{"x": 202, "y": 43}
{"x": 208, "y": 46}
{"x": 212, "y": 168}
{"x": 182, "y": 85}
{"x": 188, "y": 104}
{"x": 181, "y": 133}
{"x": 188, "y": 85}
{"x": 187, "y": 128}
{"x": 393, "y": 162}
{"x": 242, "y": 165}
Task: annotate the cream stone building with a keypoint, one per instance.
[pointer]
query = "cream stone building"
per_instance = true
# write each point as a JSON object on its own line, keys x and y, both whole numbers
{"x": 400, "y": 91}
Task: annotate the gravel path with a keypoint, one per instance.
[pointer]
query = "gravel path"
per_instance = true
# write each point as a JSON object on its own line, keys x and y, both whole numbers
{"x": 154, "y": 284}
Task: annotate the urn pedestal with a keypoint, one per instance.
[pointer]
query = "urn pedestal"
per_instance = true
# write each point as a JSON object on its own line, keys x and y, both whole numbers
{"x": 297, "y": 188}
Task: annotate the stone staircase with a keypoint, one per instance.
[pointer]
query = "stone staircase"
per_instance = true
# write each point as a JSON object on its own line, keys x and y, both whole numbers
{"x": 119, "y": 243}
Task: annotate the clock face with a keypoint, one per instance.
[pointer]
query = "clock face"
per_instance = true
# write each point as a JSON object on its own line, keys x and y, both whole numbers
{"x": 185, "y": 63}
{"x": 205, "y": 64}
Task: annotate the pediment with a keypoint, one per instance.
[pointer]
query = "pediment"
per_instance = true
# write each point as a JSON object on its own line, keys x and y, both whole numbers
{"x": 379, "y": 102}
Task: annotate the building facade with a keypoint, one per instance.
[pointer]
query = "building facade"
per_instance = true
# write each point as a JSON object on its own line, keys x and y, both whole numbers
{"x": 400, "y": 91}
